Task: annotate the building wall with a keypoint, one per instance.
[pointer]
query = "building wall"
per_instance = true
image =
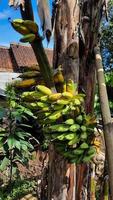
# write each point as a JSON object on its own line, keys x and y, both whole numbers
{"x": 7, "y": 77}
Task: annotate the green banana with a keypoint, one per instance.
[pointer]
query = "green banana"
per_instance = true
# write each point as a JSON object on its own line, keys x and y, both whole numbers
{"x": 44, "y": 89}
{"x": 57, "y": 107}
{"x": 54, "y": 136}
{"x": 79, "y": 119}
{"x": 61, "y": 137}
{"x": 69, "y": 121}
{"x": 18, "y": 26}
{"x": 83, "y": 128}
{"x": 28, "y": 38}
{"x": 66, "y": 110}
{"x": 78, "y": 151}
{"x": 29, "y": 74}
{"x": 59, "y": 128}
{"x": 31, "y": 96}
{"x": 74, "y": 128}
{"x": 70, "y": 136}
{"x": 56, "y": 115}
{"x": 75, "y": 140}
{"x": 42, "y": 105}
{"x": 83, "y": 136}
{"x": 84, "y": 146}
{"x": 31, "y": 25}
{"x": 88, "y": 158}
{"x": 47, "y": 114}
{"x": 33, "y": 106}
{"x": 91, "y": 150}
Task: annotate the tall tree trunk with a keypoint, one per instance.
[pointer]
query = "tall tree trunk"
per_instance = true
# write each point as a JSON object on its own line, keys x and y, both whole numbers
{"x": 62, "y": 183}
{"x": 76, "y": 34}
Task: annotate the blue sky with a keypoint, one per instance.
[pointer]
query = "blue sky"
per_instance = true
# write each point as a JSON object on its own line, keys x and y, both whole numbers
{"x": 7, "y": 34}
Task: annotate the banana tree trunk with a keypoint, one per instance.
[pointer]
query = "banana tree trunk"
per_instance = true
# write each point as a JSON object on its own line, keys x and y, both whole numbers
{"x": 76, "y": 34}
{"x": 62, "y": 176}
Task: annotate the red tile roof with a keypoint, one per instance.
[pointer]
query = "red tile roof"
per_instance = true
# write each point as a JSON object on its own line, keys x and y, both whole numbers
{"x": 11, "y": 59}
{"x": 24, "y": 55}
{"x": 6, "y": 63}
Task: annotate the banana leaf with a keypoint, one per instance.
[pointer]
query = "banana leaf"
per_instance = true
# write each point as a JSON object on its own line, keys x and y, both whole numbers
{"x": 16, "y": 3}
{"x": 45, "y": 17}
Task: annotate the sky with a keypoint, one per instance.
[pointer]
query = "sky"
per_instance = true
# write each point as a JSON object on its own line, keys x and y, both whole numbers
{"x": 7, "y": 33}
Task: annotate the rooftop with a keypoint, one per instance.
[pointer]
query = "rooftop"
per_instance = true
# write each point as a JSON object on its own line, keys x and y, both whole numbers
{"x": 17, "y": 56}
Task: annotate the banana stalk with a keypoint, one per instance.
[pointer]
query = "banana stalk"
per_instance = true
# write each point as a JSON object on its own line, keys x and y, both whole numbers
{"x": 106, "y": 189}
{"x": 93, "y": 183}
{"x": 44, "y": 65}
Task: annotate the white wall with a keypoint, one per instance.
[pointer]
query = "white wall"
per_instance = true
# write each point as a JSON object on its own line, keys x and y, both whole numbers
{"x": 7, "y": 77}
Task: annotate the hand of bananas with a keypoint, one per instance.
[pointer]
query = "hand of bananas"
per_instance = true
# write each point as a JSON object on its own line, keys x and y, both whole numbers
{"x": 64, "y": 122}
{"x": 27, "y": 28}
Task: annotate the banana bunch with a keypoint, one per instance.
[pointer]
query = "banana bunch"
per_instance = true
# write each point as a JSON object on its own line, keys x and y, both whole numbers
{"x": 27, "y": 28}
{"x": 63, "y": 120}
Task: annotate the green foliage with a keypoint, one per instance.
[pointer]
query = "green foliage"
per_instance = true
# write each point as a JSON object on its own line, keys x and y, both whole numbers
{"x": 109, "y": 78}
{"x": 107, "y": 38}
{"x": 17, "y": 189}
{"x": 109, "y": 85}
{"x": 15, "y": 145}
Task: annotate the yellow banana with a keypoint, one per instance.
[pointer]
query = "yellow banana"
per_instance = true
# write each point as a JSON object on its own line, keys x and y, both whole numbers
{"x": 70, "y": 87}
{"x": 63, "y": 101}
{"x": 18, "y": 21}
{"x": 64, "y": 87}
{"x": 77, "y": 102}
{"x": 67, "y": 95}
{"x": 58, "y": 76}
{"x": 31, "y": 25}
{"x": 45, "y": 108}
{"x": 54, "y": 97}
{"x": 44, "y": 89}
{"x": 44, "y": 98}
{"x": 28, "y": 38}
{"x": 25, "y": 83}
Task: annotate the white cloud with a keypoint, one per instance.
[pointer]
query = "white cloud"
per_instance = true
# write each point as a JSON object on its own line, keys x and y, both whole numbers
{"x": 5, "y": 14}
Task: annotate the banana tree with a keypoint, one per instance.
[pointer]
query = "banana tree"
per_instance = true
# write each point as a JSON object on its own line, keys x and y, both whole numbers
{"x": 76, "y": 32}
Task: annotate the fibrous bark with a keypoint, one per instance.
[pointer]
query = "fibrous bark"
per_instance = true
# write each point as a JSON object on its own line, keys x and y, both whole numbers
{"x": 76, "y": 34}
{"x": 66, "y": 46}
